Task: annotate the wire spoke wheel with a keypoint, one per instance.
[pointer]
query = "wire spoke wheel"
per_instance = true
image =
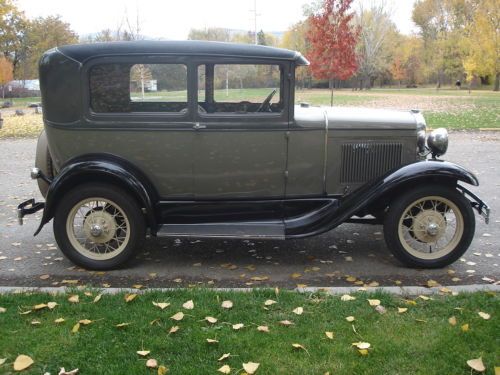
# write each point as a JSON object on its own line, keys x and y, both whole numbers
{"x": 98, "y": 228}
{"x": 431, "y": 227}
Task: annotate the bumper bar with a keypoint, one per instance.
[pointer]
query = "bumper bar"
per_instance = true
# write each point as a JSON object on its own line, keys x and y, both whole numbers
{"x": 27, "y": 208}
{"x": 482, "y": 208}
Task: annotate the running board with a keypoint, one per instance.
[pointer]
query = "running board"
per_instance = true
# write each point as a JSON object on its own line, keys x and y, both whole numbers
{"x": 255, "y": 230}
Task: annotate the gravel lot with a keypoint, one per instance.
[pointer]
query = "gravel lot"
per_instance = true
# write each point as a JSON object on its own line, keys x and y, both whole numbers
{"x": 350, "y": 250}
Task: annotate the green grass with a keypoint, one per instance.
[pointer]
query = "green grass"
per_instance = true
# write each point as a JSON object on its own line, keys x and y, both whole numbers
{"x": 400, "y": 344}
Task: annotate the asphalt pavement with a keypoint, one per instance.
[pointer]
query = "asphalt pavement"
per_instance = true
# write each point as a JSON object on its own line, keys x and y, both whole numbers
{"x": 349, "y": 255}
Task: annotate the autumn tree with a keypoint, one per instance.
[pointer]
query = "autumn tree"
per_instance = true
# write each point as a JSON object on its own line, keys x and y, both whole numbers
{"x": 295, "y": 38}
{"x": 13, "y": 28}
{"x": 6, "y": 73}
{"x": 333, "y": 39}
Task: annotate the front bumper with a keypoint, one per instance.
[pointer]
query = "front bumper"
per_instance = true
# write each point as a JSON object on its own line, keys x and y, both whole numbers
{"x": 27, "y": 208}
{"x": 482, "y": 208}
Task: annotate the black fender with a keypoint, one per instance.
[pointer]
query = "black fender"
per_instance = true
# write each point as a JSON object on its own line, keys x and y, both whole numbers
{"x": 102, "y": 168}
{"x": 380, "y": 189}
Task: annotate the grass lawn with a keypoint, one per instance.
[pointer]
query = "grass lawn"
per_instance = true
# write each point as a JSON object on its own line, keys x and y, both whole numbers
{"x": 418, "y": 341}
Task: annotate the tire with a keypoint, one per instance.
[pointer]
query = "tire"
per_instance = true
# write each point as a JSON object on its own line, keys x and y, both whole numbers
{"x": 43, "y": 161}
{"x": 117, "y": 231}
{"x": 415, "y": 221}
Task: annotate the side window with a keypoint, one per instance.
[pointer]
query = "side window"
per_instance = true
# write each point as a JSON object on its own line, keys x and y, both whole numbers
{"x": 128, "y": 88}
{"x": 240, "y": 88}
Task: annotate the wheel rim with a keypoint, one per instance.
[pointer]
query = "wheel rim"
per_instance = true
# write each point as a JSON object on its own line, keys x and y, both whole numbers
{"x": 431, "y": 227}
{"x": 98, "y": 228}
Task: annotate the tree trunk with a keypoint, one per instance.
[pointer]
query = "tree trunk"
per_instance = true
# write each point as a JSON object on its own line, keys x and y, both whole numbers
{"x": 496, "y": 86}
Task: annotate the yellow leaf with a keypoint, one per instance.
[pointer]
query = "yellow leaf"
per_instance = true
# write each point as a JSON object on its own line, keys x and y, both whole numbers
{"x": 484, "y": 315}
{"x": 51, "y": 305}
{"x": 2, "y": 361}
{"x": 70, "y": 281}
{"x": 238, "y": 326}
{"x": 162, "y": 370}
{"x": 85, "y": 322}
{"x": 152, "y": 363}
{"x": 25, "y": 312}
{"x": 452, "y": 320}
{"x": 137, "y": 286}
{"x": 121, "y": 325}
{"x": 212, "y": 341}
{"x": 130, "y": 297}
{"x": 286, "y": 323}
{"x": 263, "y": 329}
{"x": 298, "y": 310}
{"x": 2, "y": 310}
{"x": 259, "y": 278}
{"x": 374, "y": 302}
{"x": 402, "y": 310}
{"x": 143, "y": 353}
{"x": 224, "y": 356}
{"x": 373, "y": 284}
{"x": 347, "y": 297}
{"x": 75, "y": 328}
{"x": 59, "y": 320}
{"x": 465, "y": 327}
{"x": 178, "y": 316}
{"x": 363, "y": 351}
{"x": 361, "y": 345}
{"x": 295, "y": 275}
{"x": 225, "y": 369}
{"x": 75, "y": 298}
{"x": 350, "y": 279}
{"x": 250, "y": 367}
{"x": 22, "y": 362}
{"x": 161, "y": 305}
{"x": 301, "y": 286}
{"x": 432, "y": 283}
{"x": 269, "y": 302}
{"x": 425, "y": 298}
{"x": 298, "y": 346}
{"x": 189, "y": 305}
{"x": 35, "y": 322}
{"x": 411, "y": 302}
{"x": 350, "y": 318}
{"x": 329, "y": 335}
{"x": 476, "y": 364}
{"x": 88, "y": 294}
{"x": 497, "y": 370}
{"x": 173, "y": 329}
{"x": 39, "y": 306}
{"x": 227, "y": 304}
{"x": 97, "y": 298}
{"x": 211, "y": 319}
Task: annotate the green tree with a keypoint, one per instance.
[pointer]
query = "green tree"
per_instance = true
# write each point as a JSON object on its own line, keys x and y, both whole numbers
{"x": 13, "y": 27}
{"x": 210, "y": 33}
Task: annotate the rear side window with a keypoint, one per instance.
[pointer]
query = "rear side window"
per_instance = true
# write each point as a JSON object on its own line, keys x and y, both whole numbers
{"x": 129, "y": 88}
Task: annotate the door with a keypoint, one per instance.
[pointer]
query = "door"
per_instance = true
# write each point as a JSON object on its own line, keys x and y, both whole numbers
{"x": 241, "y": 127}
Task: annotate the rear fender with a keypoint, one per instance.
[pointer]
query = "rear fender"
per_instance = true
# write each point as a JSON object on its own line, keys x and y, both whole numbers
{"x": 102, "y": 168}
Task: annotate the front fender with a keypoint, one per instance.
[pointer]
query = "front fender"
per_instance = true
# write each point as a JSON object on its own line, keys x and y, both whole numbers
{"x": 101, "y": 168}
{"x": 402, "y": 178}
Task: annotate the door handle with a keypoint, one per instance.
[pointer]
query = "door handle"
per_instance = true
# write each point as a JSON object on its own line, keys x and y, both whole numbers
{"x": 197, "y": 126}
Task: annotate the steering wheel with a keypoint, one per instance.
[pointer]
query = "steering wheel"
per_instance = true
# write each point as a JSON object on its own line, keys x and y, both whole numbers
{"x": 266, "y": 102}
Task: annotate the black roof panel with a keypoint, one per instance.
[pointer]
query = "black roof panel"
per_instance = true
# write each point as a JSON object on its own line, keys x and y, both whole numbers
{"x": 83, "y": 52}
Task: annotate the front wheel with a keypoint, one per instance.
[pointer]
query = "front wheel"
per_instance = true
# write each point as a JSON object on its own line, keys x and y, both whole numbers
{"x": 98, "y": 226}
{"x": 429, "y": 227}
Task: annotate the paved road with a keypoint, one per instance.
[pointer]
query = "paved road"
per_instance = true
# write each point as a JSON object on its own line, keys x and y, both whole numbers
{"x": 353, "y": 250}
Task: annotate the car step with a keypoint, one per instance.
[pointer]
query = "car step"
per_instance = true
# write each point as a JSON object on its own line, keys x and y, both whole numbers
{"x": 253, "y": 230}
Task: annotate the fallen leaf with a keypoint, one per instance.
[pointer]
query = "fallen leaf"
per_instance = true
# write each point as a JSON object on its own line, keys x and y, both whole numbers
{"x": 224, "y": 356}
{"x": 295, "y": 275}
{"x": 425, "y": 298}
{"x": 259, "y": 278}
{"x": 380, "y": 309}
{"x": 97, "y": 298}
{"x": 39, "y": 306}
{"x": 432, "y": 283}
{"x": 269, "y": 302}
{"x": 250, "y": 367}
{"x": 465, "y": 327}
{"x": 137, "y": 286}
{"x": 402, "y": 310}
{"x": 484, "y": 315}
{"x": 22, "y": 362}
{"x": 70, "y": 281}
{"x": 64, "y": 372}
{"x": 152, "y": 363}
{"x": 75, "y": 328}
{"x": 59, "y": 320}
{"x": 51, "y": 305}
{"x": 162, "y": 370}
{"x": 44, "y": 277}
{"x": 329, "y": 335}
{"x": 286, "y": 323}
{"x": 227, "y": 304}
{"x": 363, "y": 352}
{"x": 189, "y": 305}
{"x": 178, "y": 316}
{"x": 299, "y": 346}
{"x": 212, "y": 341}
{"x": 35, "y": 322}
{"x": 347, "y": 297}
{"x": 75, "y": 298}
{"x": 129, "y": 297}
{"x": 374, "y": 302}
{"x": 2, "y": 361}
{"x": 497, "y": 370}
{"x": 298, "y": 310}
{"x": 85, "y": 321}
{"x": 263, "y": 329}
{"x": 476, "y": 364}
{"x": 121, "y": 325}
{"x": 225, "y": 369}
{"x": 25, "y": 312}
{"x": 452, "y": 320}
{"x": 143, "y": 353}
{"x": 361, "y": 345}
{"x": 161, "y": 305}
{"x": 350, "y": 318}
{"x": 211, "y": 319}
{"x": 238, "y": 326}
{"x": 173, "y": 329}
{"x": 2, "y": 310}
{"x": 350, "y": 279}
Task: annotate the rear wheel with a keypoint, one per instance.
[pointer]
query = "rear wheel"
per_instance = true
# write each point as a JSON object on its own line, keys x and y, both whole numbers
{"x": 98, "y": 226}
{"x": 429, "y": 227}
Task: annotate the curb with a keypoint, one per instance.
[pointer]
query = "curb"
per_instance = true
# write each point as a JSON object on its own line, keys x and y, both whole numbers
{"x": 405, "y": 290}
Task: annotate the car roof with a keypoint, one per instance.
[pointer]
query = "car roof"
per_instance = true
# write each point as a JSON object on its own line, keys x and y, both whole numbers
{"x": 83, "y": 52}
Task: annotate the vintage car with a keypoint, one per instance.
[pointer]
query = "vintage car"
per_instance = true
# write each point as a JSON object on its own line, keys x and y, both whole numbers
{"x": 202, "y": 139}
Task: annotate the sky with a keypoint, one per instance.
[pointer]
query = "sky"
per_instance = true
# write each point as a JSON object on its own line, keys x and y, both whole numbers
{"x": 172, "y": 19}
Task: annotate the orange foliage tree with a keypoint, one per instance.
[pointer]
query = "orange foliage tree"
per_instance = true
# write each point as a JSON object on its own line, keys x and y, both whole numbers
{"x": 6, "y": 73}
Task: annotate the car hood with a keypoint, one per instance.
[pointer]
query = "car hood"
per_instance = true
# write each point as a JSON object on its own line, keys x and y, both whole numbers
{"x": 357, "y": 118}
